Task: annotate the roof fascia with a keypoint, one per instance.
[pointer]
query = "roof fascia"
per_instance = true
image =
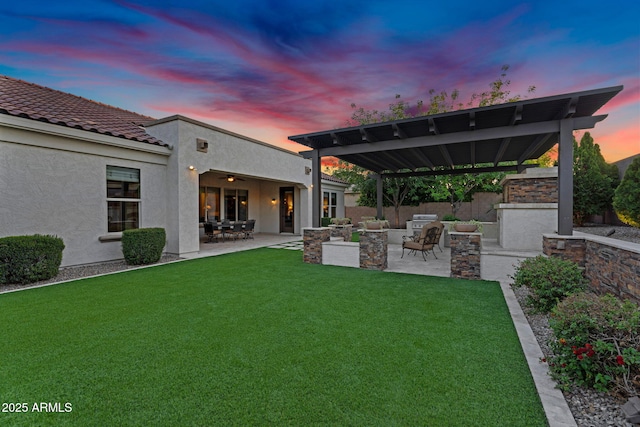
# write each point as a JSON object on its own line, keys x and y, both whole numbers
{"x": 178, "y": 117}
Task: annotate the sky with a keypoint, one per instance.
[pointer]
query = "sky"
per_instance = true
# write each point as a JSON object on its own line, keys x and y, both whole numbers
{"x": 275, "y": 68}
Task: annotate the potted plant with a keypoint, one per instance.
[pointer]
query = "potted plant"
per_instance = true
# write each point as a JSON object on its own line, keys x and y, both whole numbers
{"x": 466, "y": 226}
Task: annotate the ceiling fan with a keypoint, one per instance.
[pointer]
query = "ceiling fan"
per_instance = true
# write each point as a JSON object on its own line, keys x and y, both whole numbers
{"x": 231, "y": 178}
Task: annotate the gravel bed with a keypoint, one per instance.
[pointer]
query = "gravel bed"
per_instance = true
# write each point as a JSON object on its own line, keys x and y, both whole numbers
{"x": 590, "y": 408}
{"x": 72, "y": 273}
{"x": 620, "y": 232}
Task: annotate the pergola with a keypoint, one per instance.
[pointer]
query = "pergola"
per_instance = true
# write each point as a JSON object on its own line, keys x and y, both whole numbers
{"x": 503, "y": 136}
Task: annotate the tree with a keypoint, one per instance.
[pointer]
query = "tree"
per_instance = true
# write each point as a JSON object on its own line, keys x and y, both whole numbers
{"x": 593, "y": 182}
{"x": 456, "y": 189}
{"x": 439, "y": 102}
{"x": 396, "y": 192}
{"x": 413, "y": 190}
{"x": 626, "y": 200}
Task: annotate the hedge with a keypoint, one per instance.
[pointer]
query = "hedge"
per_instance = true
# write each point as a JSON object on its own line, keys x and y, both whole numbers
{"x": 143, "y": 245}
{"x": 28, "y": 259}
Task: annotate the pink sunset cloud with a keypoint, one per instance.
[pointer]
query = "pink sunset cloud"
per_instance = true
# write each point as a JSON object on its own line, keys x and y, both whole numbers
{"x": 278, "y": 71}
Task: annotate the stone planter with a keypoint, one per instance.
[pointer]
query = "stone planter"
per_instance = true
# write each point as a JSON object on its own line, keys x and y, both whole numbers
{"x": 373, "y": 225}
{"x": 465, "y": 228}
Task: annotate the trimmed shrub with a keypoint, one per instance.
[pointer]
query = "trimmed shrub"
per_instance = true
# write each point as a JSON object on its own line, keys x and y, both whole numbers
{"x": 325, "y": 221}
{"x": 550, "y": 280}
{"x": 143, "y": 245}
{"x": 28, "y": 259}
{"x": 626, "y": 200}
{"x": 597, "y": 343}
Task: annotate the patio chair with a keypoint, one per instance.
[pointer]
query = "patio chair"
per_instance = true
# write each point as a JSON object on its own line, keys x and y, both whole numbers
{"x": 212, "y": 231}
{"x": 423, "y": 243}
{"x": 208, "y": 231}
{"x": 440, "y": 230}
{"x": 236, "y": 230}
{"x": 248, "y": 229}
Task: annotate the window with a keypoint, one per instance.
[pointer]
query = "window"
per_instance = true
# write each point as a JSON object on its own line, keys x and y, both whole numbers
{"x": 123, "y": 198}
{"x": 236, "y": 204}
{"x": 209, "y": 204}
{"x": 329, "y": 204}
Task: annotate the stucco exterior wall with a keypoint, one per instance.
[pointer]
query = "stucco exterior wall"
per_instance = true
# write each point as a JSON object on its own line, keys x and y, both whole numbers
{"x": 52, "y": 184}
{"x": 53, "y": 181}
{"x": 264, "y": 169}
{"x": 520, "y": 225}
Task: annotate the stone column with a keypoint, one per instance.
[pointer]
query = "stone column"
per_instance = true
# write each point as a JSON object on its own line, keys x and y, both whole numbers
{"x": 374, "y": 249}
{"x": 465, "y": 255}
{"x": 312, "y": 244}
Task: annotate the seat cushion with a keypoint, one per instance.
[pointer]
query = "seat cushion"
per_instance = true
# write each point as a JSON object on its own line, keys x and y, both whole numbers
{"x": 413, "y": 245}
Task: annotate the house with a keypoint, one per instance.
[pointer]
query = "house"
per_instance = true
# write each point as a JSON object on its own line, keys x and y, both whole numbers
{"x": 86, "y": 171}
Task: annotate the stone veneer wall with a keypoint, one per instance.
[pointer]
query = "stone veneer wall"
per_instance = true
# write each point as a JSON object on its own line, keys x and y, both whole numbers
{"x": 567, "y": 248}
{"x": 374, "y": 249}
{"x": 610, "y": 268}
{"x": 343, "y": 231}
{"x": 312, "y": 244}
{"x": 465, "y": 255}
{"x": 531, "y": 190}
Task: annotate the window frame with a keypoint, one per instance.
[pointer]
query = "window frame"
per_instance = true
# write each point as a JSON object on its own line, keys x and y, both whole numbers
{"x": 123, "y": 199}
{"x": 329, "y": 204}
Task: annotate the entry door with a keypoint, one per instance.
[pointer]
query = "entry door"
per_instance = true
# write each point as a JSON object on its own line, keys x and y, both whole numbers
{"x": 286, "y": 209}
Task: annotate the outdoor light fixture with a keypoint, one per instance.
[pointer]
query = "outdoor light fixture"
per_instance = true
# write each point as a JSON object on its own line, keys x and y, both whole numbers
{"x": 192, "y": 168}
{"x": 273, "y": 201}
{"x": 231, "y": 178}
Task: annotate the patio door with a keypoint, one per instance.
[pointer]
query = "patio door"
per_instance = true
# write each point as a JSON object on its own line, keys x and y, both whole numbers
{"x": 286, "y": 209}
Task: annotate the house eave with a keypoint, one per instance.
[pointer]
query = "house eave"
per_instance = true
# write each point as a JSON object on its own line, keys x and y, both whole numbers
{"x": 80, "y": 135}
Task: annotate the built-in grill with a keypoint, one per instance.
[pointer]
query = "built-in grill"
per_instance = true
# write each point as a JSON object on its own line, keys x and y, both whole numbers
{"x": 420, "y": 220}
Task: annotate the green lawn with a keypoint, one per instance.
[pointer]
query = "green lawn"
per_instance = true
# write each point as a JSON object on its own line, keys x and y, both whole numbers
{"x": 259, "y": 337}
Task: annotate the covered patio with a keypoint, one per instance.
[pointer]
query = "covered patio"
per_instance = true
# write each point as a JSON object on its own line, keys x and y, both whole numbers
{"x": 485, "y": 139}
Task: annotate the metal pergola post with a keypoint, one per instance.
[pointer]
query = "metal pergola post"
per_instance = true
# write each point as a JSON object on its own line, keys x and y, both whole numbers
{"x": 379, "y": 196}
{"x": 565, "y": 178}
{"x": 316, "y": 190}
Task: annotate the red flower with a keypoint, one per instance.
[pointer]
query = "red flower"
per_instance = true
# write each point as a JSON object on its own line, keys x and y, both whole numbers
{"x": 580, "y": 356}
{"x": 620, "y": 360}
{"x": 591, "y": 353}
{"x": 588, "y": 346}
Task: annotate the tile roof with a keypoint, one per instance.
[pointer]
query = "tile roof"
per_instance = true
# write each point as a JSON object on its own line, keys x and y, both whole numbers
{"x": 332, "y": 178}
{"x": 32, "y": 101}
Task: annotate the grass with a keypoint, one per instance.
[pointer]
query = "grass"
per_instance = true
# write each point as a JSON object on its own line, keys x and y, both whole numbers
{"x": 258, "y": 338}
